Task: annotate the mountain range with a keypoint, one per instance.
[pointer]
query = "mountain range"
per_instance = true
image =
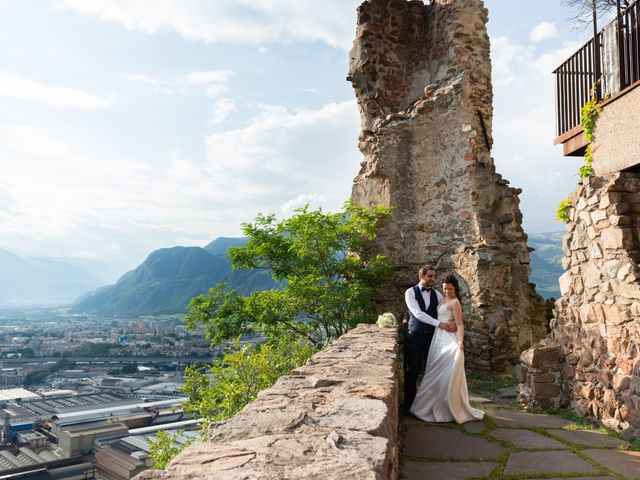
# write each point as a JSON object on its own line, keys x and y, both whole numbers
{"x": 168, "y": 278}
{"x": 546, "y": 262}
{"x": 45, "y": 280}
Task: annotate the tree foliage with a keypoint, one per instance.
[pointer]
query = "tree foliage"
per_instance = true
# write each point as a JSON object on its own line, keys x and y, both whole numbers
{"x": 164, "y": 448}
{"x": 327, "y": 266}
{"x": 222, "y": 389}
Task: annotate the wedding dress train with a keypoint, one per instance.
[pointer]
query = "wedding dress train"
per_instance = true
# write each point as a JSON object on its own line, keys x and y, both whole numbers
{"x": 443, "y": 394}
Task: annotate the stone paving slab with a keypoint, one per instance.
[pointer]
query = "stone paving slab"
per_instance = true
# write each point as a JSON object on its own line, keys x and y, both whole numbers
{"x": 515, "y": 418}
{"x": 447, "y": 470}
{"x": 475, "y": 398}
{"x": 441, "y": 442}
{"x": 591, "y": 438}
{"x": 621, "y": 462}
{"x": 474, "y": 427}
{"x": 508, "y": 392}
{"x": 411, "y": 420}
{"x": 576, "y": 478}
{"x": 546, "y": 462}
{"x": 526, "y": 438}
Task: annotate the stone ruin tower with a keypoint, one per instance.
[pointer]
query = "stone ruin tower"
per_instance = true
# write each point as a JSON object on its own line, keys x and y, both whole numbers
{"x": 422, "y": 77}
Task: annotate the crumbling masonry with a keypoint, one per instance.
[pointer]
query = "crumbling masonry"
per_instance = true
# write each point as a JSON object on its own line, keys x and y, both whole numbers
{"x": 422, "y": 77}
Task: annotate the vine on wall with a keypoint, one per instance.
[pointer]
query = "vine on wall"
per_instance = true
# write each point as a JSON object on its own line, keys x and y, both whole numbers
{"x": 588, "y": 116}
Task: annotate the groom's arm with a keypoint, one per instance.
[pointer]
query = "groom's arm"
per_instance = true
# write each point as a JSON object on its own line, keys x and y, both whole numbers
{"x": 414, "y": 308}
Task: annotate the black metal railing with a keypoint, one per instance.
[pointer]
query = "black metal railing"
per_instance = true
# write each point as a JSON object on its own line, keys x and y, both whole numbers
{"x": 630, "y": 45}
{"x": 606, "y": 64}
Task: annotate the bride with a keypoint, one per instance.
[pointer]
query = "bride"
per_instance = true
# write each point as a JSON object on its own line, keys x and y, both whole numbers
{"x": 443, "y": 395}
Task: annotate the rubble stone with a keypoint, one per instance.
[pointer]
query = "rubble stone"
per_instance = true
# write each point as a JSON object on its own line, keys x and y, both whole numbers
{"x": 596, "y": 328}
{"x": 422, "y": 77}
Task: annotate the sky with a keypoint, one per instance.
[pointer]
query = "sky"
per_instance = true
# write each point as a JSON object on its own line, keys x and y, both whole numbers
{"x": 132, "y": 125}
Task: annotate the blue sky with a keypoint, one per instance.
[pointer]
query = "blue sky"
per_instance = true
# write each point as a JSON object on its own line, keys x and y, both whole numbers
{"x": 130, "y": 125}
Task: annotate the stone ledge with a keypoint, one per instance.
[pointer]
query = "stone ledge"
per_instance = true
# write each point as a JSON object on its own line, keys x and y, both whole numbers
{"x": 335, "y": 417}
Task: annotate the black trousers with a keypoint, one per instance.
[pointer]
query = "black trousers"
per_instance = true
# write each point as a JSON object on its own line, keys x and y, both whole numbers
{"x": 416, "y": 351}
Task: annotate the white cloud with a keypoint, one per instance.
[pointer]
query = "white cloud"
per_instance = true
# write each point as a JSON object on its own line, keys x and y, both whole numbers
{"x": 242, "y": 21}
{"x": 6, "y": 200}
{"x": 279, "y": 139}
{"x": 67, "y": 195}
{"x": 205, "y": 78}
{"x": 281, "y": 154}
{"x": 543, "y": 31}
{"x": 214, "y": 82}
{"x": 134, "y": 77}
{"x": 14, "y": 86}
{"x": 222, "y": 108}
{"x": 35, "y": 142}
{"x": 524, "y": 129}
{"x": 504, "y": 57}
{"x": 312, "y": 199}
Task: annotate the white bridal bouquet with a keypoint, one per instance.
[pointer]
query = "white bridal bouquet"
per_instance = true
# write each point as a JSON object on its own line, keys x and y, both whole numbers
{"x": 387, "y": 320}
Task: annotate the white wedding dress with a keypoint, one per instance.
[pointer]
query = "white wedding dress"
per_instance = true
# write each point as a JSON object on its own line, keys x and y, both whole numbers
{"x": 443, "y": 394}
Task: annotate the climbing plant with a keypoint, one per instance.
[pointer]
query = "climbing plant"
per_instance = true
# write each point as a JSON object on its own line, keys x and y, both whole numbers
{"x": 588, "y": 117}
{"x": 562, "y": 215}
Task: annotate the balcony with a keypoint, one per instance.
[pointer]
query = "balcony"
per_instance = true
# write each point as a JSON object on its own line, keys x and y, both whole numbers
{"x": 609, "y": 64}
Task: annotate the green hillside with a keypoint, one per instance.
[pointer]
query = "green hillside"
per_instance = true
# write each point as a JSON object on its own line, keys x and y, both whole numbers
{"x": 169, "y": 278}
{"x": 546, "y": 262}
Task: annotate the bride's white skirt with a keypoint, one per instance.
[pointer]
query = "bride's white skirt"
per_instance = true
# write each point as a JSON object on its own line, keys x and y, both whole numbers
{"x": 443, "y": 394}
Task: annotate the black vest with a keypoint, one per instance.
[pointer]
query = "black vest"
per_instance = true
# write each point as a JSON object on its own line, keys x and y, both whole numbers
{"x": 416, "y": 327}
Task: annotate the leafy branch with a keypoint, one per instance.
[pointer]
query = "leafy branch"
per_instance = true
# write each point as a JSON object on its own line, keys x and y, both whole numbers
{"x": 588, "y": 117}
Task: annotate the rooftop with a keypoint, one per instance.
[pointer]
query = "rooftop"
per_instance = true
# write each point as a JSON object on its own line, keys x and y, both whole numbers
{"x": 16, "y": 394}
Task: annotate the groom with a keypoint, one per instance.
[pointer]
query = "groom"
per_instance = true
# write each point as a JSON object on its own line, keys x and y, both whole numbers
{"x": 422, "y": 301}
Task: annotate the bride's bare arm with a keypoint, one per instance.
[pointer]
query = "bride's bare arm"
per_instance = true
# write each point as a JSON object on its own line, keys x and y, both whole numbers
{"x": 457, "y": 315}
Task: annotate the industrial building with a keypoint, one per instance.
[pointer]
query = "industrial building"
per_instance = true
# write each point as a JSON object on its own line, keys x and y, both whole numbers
{"x": 61, "y": 435}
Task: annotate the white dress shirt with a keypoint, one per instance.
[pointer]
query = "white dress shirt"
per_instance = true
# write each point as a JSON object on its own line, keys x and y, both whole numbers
{"x": 412, "y": 305}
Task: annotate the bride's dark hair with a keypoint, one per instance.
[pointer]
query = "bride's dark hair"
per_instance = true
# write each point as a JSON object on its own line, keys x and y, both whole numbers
{"x": 453, "y": 281}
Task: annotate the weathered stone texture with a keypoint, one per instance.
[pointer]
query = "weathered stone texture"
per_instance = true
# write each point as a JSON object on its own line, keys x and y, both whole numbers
{"x": 422, "y": 77}
{"x": 618, "y": 119}
{"x": 334, "y": 418}
{"x": 596, "y": 326}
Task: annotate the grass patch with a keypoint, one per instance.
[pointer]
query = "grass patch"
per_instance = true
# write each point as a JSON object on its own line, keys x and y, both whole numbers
{"x": 582, "y": 423}
{"x": 479, "y": 382}
{"x": 633, "y": 445}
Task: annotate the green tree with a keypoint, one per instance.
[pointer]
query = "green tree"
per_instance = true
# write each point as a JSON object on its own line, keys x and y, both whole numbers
{"x": 62, "y": 364}
{"x": 165, "y": 447}
{"x": 326, "y": 264}
{"x": 129, "y": 368}
{"x": 222, "y": 389}
{"x": 34, "y": 377}
{"x": 328, "y": 270}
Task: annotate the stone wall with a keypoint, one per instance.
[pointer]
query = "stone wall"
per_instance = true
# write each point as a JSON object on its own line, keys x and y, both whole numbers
{"x": 619, "y": 119}
{"x": 596, "y": 324}
{"x": 334, "y": 418}
{"x": 422, "y": 76}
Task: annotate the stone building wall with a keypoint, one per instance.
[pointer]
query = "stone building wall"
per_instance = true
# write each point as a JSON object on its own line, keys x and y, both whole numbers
{"x": 619, "y": 118}
{"x": 422, "y": 77}
{"x": 596, "y": 324}
{"x": 334, "y": 418}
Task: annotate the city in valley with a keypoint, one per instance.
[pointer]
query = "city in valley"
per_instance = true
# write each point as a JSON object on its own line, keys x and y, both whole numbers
{"x": 82, "y": 395}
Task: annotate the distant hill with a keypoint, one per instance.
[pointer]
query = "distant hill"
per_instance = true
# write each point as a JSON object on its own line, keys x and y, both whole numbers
{"x": 546, "y": 262}
{"x": 41, "y": 280}
{"x": 169, "y": 278}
